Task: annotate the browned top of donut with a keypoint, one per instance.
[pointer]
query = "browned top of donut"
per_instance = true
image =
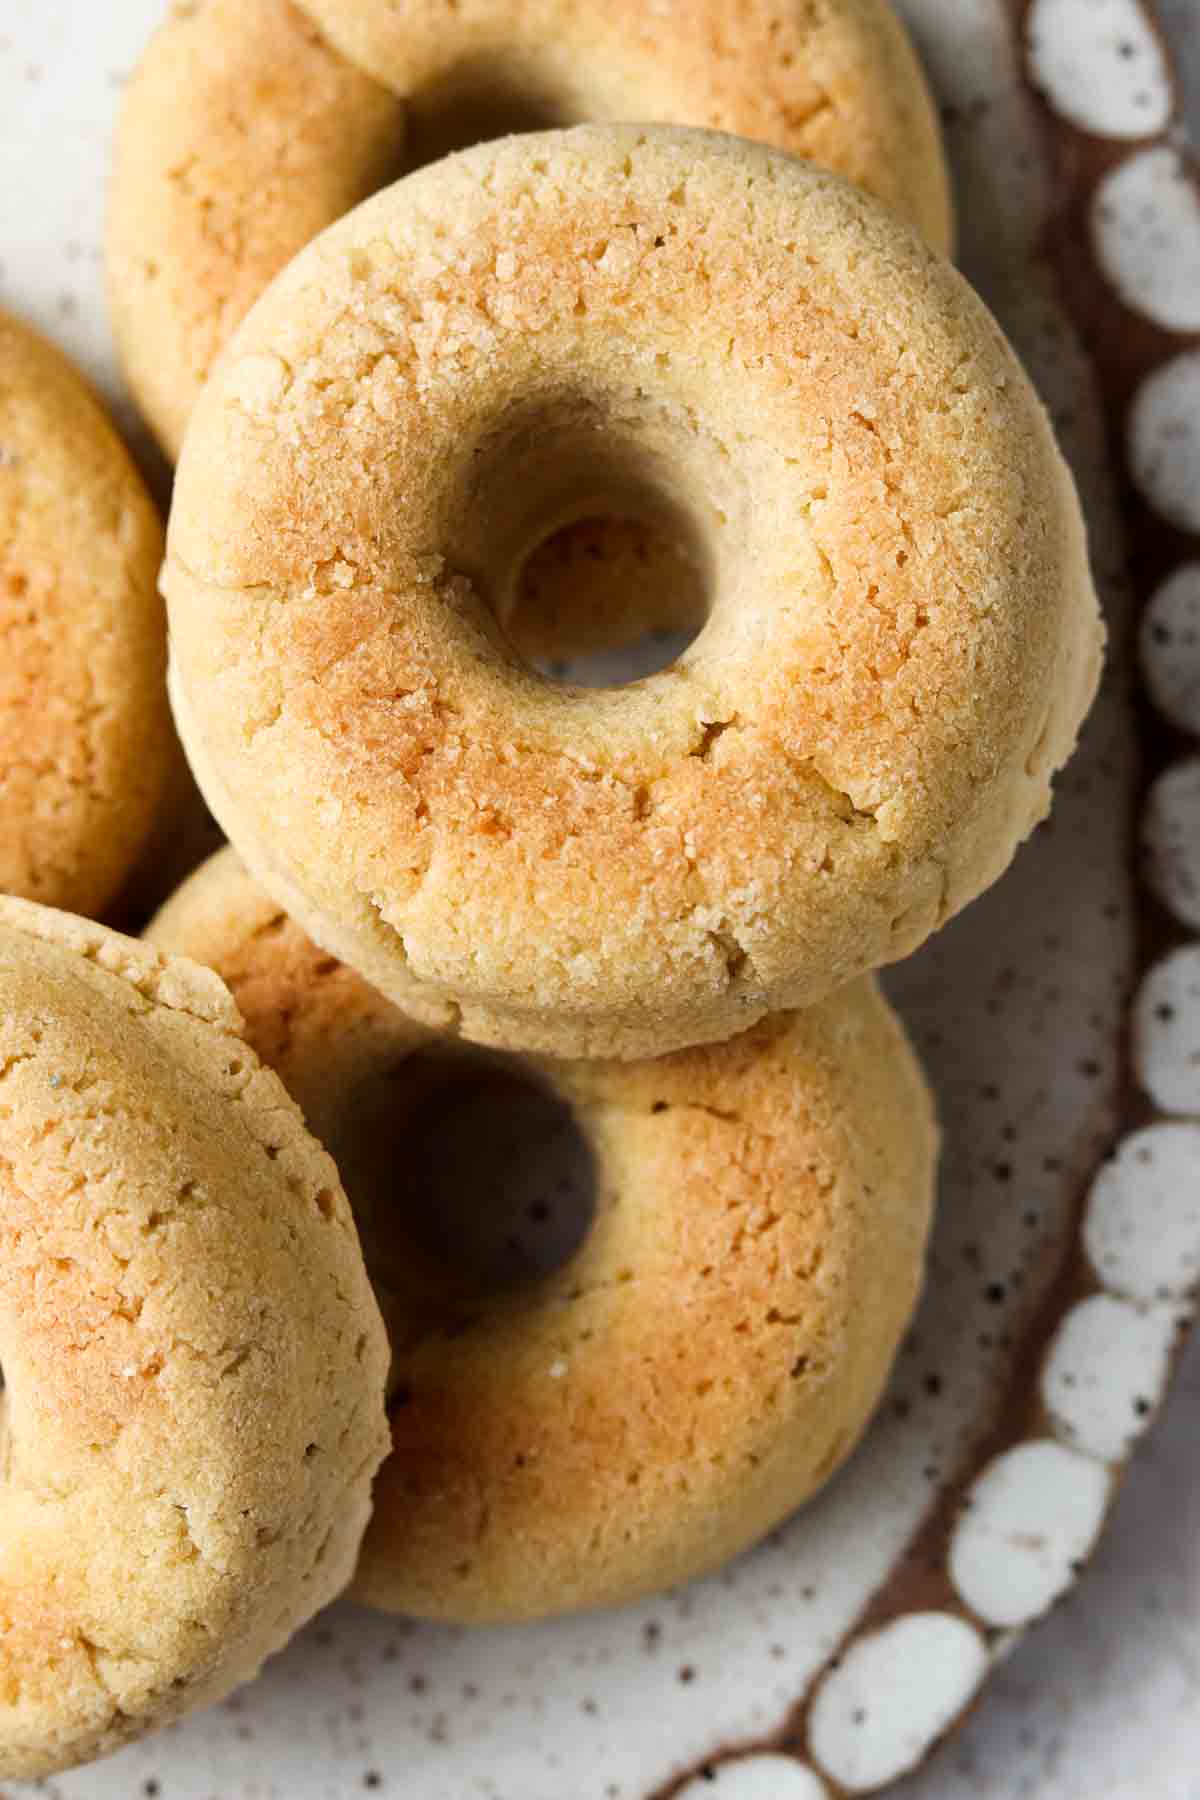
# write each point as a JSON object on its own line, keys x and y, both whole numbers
{"x": 193, "y": 1363}
{"x": 85, "y": 736}
{"x": 903, "y": 633}
{"x": 834, "y": 80}
{"x": 702, "y": 1362}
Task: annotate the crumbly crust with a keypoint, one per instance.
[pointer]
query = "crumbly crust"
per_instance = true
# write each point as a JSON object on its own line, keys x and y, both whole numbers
{"x": 242, "y": 133}
{"x": 904, "y": 635}
{"x": 86, "y": 744}
{"x": 836, "y": 81}
{"x": 705, "y": 1362}
{"x": 193, "y": 1361}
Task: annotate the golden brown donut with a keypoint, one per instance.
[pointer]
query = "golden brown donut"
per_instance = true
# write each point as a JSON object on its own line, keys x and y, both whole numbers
{"x": 193, "y": 1360}
{"x": 903, "y": 634}
{"x": 835, "y": 81}
{"x": 87, "y": 751}
{"x": 707, "y": 1357}
{"x": 243, "y": 133}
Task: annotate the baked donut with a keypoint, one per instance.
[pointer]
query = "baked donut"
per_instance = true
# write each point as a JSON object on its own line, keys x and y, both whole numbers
{"x": 87, "y": 750}
{"x": 902, "y": 639}
{"x": 243, "y": 133}
{"x": 708, "y": 1355}
{"x": 193, "y": 1361}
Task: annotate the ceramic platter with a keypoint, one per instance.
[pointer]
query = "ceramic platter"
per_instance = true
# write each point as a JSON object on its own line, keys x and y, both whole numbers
{"x": 1060, "y": 1019}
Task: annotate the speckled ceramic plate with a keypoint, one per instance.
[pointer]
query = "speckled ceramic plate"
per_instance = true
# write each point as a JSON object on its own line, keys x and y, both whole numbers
{"x": 1060, "y": 1019}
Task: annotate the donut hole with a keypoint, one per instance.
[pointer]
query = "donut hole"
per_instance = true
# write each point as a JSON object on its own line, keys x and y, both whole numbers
{"x": 607, "y": 600}
{"x": 469, "y": 1178}
{"x": 477, "y": 101}
{"x": 591, "y": 526}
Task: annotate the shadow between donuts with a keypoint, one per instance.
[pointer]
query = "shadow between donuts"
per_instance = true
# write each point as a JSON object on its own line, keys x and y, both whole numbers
{"x": 472, "y": 1185}
{"x": 474, "y": 102}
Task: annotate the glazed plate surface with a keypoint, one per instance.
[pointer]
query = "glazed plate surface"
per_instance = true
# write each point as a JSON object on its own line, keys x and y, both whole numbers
{"x": 832, "y": 1659}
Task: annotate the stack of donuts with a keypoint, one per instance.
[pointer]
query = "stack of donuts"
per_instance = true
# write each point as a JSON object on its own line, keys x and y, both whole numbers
{"x": 443, "y": 416}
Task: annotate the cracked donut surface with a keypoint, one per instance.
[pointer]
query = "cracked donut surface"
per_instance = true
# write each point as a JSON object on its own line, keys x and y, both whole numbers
{"x": 87, "y": 751}
{"x": 903, "y": 635}
{"x": 244, "y": 131}
{"x": 193, "y": 1360}
{"x": 701, "y": 1364}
